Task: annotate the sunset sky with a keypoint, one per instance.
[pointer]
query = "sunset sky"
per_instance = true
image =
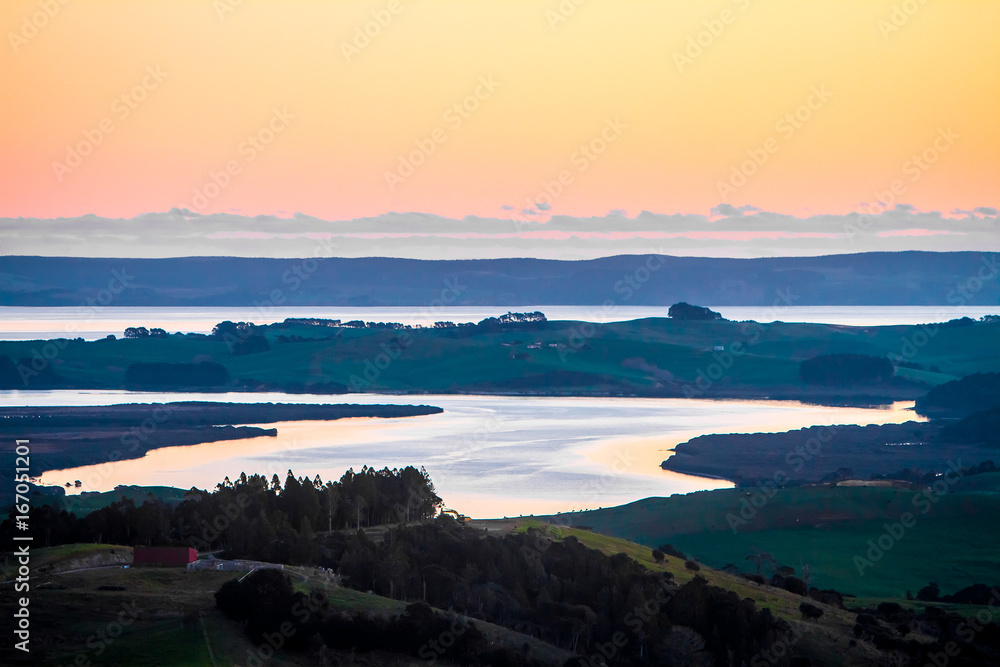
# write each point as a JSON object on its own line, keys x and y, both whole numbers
{"x": 499, "y": 109}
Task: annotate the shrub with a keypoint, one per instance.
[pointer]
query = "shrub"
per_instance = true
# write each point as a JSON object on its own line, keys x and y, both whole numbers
{"x": 810, "y": 612}
{"x": 929, "y": 593}
{"x": 670, "y": 550}
{"x": 796, "y": 585}
{"x": 685, "y": 311}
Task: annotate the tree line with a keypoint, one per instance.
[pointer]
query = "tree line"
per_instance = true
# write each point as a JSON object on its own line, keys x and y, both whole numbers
{"x": 252, "y": 517}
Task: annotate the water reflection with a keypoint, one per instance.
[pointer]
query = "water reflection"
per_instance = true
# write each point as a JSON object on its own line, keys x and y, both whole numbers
{"x": 489, "y": 456}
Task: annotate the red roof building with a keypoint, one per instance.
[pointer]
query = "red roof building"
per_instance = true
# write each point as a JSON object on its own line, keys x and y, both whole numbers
{"x": 169, "y": 556}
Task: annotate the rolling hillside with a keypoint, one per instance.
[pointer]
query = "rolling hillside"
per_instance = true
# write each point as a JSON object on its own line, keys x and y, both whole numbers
{"x": 903, "y": 278}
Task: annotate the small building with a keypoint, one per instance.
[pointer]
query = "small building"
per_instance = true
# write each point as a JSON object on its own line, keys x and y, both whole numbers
{"x": 165, "y": 556}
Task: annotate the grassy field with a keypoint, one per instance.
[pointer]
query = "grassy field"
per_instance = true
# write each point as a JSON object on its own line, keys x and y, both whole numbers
{"x": 826, "y": 528}
{"x": 49, "y": 560}
{"x": 826, "y": 642}
{"x": 656, "y": 355}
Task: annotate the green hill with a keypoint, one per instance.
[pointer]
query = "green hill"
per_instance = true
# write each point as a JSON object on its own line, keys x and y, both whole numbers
{"x": 828, "y": 528}
{"x": 656, "y": 357}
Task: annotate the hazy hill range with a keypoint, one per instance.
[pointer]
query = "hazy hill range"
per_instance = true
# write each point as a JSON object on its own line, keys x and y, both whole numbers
{"x": 904, "y": 278}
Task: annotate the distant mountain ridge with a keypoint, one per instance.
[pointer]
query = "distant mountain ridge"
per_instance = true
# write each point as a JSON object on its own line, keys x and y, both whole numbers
{"x": 870, "y": 279}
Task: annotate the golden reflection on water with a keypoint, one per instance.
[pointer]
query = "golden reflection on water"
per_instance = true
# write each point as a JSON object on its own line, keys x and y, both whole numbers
{"x": 524, "y": 460}
{"x": 207, "y": 464}
{"x": 643, "y": 455}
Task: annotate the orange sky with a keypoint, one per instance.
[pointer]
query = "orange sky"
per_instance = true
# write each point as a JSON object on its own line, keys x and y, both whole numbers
{"x": 339, "y": 122}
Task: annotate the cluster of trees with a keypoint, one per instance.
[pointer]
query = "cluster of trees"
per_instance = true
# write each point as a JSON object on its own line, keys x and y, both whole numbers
{"x": 358, "y": 324}
{"x": 968, "y": 321}
{"x": 252, "y": 517}
{"x": 451, "y": 325}
{"x": 954, "y": 640}
{"x": 972, "y": 393}
{"x": 235, "y": 329}
{"x": 959, "y": 322}
{"x": 509, "y": 318}
{"x": 500, "y": 323}
{"x": 312, "y": 321}
{"x": 166, "y": 374}
{"x": 685, "y": 311}
{"x": 560, "y": 592}
{"x": 240, "y": 337}
{"x": 274, "y": 613}
{"x": 143, "y": 332}
{"x": 845, "y": 369}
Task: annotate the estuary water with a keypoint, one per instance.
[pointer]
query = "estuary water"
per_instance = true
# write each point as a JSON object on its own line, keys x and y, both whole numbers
{"x": 489, "y": 456}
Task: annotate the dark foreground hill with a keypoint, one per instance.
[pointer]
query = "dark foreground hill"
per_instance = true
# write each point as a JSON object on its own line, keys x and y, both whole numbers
{"x": 904, "y": 278}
